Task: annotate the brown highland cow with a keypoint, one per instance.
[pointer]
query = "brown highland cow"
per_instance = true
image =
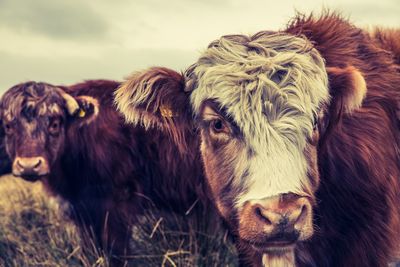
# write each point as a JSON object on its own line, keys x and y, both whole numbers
{"x": 299, "y": 139}
{"x": 75, "y": 142}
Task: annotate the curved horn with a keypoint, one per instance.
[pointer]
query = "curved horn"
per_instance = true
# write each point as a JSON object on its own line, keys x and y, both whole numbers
{"x": 71, "y": 103}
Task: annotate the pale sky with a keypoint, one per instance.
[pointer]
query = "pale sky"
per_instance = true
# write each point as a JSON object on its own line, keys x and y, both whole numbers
{"x": 64, "y": 42}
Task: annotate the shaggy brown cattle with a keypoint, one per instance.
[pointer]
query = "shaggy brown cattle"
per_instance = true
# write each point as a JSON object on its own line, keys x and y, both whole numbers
{"x": 299, "y": 139}
{"x": 75, "y": 142}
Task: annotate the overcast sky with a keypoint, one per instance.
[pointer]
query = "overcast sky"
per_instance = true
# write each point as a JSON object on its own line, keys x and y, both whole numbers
{"x": 67, "y": 41}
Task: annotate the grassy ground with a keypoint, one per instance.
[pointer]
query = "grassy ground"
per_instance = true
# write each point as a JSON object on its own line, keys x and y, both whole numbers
{"x": 34, "y": 232}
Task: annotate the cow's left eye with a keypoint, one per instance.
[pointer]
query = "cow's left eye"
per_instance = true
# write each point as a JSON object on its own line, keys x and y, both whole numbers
{"x": 218, "y": 126}
{"x": 55, "y": 126}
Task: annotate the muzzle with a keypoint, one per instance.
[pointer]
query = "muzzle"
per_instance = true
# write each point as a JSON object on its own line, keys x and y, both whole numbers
{"x": 30, "y": 168}
{"x": 272, "y": 224}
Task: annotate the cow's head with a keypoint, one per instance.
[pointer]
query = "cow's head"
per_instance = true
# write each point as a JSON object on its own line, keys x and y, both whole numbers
{"x": 35, "y": 117}
{"x": 263, "y": 104}
{"x": 263, "y": 107}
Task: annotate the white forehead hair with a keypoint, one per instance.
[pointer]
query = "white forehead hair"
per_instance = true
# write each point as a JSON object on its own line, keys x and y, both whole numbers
{"x": 272, "y": 85}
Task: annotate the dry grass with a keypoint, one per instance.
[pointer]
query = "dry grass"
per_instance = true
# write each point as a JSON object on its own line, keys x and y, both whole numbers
{"x": 34, "y": 232}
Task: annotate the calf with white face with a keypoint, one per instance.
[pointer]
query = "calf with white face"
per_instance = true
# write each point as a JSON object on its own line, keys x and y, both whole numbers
{"x": 300, "y": 161}
{"x": 259, "y": 101}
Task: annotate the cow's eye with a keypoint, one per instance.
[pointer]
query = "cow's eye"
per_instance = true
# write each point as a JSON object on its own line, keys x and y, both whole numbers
{"x": 55, "y": 126}
{"x": 218, "y": 126}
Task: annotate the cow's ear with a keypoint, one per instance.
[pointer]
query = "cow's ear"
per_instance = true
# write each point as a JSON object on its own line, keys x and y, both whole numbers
{"x": 88, "y": 108}
{"x": 347, "y": 88}
{"x": 83, "y": 109}
{"x": 155, "y": 98}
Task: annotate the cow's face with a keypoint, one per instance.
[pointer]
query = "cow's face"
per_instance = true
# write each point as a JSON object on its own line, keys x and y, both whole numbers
{"x": 258, "y": 102}
{"x": 35, "y": 118}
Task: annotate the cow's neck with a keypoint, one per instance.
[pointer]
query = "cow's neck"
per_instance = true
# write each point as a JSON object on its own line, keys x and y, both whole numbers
{"x": 69, "y": 176}
{"x": 55, "y": 183}
{"x": 173, "y": 178}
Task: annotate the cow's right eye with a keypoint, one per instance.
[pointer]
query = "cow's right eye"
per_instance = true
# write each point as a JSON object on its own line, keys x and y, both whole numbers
{"x": 218, "y": 126}
{"x": 55, "y": 126}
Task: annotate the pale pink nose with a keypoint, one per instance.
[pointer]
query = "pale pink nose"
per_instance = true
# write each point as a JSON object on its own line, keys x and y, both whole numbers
{"x": 30, "y": 166}
{"x": 280, "y": 219}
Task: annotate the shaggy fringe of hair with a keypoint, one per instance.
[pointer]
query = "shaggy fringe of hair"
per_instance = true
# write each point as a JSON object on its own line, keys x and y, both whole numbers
{"x": 14, "y": 97}
{"x": 279, "y": 78}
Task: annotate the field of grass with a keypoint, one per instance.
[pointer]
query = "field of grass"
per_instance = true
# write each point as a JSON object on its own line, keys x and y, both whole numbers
{"x": 35, "y": 232}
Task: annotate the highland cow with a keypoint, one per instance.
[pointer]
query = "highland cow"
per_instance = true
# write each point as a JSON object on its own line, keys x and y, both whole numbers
{"x": 299, "y": 140}
{"x": 75, "y": 142}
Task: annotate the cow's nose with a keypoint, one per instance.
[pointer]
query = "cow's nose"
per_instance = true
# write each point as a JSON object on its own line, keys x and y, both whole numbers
{"x": 281, "y": 221}
{"x": 30, "y": 166}
{"x": 282, "y": 218}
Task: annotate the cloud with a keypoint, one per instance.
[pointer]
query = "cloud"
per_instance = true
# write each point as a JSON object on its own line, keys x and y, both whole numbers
{"x": 371, "y": 14}
{"x": 110, "y": 64}
{"x": 63, "y": 42}
{"x": 70, "y": 19}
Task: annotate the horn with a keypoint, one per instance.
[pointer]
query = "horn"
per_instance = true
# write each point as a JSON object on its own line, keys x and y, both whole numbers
{"x": 71, "y": 103}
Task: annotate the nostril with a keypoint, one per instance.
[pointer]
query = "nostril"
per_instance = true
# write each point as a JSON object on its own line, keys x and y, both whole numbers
{"x": 37, "y": 164}
{"x": 262, "y": 216}
{"x": 302, "y": 215}
{"x": 19, "y": 164}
